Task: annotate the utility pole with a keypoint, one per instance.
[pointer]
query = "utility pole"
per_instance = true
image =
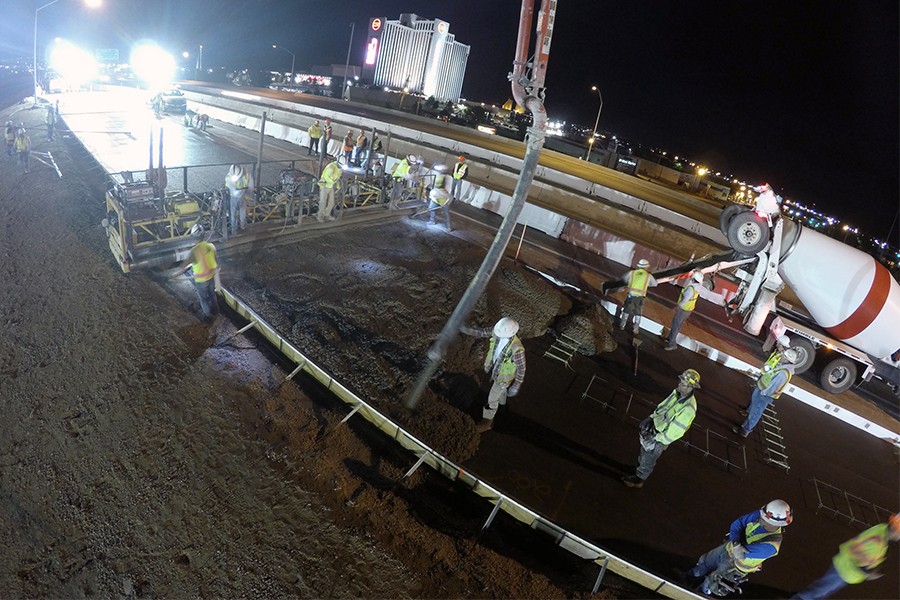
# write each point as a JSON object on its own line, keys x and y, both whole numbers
{"x": 527, "y": 79}
{"x": 345, "y": 94}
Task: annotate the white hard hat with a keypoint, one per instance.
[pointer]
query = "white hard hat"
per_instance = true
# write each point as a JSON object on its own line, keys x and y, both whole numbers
{"x": 643, "y": 264}
{"x": 697, "y": 276}
{"x": 236, "y": 171}
{"x": 506, "y": 328}
{"x": 784, "y": 341}
{"x": 776, "y": 513}
{"x": 412, "y": 158}
{"x": 790, "y": 356}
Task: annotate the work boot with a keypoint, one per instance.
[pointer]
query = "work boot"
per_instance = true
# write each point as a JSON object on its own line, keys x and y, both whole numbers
{"x": 743, "y": 412}
{"x": 740, "y": 431}
{"x": 667, "y": 348}
{"x": 633, "y": 481}
{"x": 484, "y": 425}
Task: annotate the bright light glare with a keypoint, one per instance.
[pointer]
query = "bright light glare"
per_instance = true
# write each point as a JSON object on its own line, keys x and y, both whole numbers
{"x": 93, "y": 3}
{"x": 74, "y": 64}
{"x": 152, "y": 64}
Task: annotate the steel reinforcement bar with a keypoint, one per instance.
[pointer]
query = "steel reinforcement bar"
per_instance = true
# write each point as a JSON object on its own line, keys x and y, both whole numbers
{"x": 426, "y": 455}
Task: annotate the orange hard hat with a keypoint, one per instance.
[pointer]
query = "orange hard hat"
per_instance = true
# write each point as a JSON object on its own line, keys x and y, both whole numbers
{"x": 894, "y": 523}
{"x": 461, "y": 157}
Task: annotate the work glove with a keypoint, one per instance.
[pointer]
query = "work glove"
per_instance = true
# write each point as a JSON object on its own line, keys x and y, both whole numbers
{"x": 648, "y": 443}
{"x": 874, "y": 575}
{"x": 512, "y": 392}
{"x": 647, "y": 428}
{"x": 738, "y": 552}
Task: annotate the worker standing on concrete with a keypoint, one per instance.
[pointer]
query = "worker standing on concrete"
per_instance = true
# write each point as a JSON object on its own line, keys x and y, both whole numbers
{"x": 10, "y": 136}
{"x": 23, "y": 147}
{"x": 327, "y": 134}
{"x": 205, "y": 273}
{"x": 637, "y": 281}
{"x": 671, "y": 420}
{"x": 504, "y": 361}
{"x": 330, "y": 180}
{"x": 460, "y": 172}
{"x": 362, "y": 146}
{"x": 400, "y": 175}
{"x": 685, "y": 307}
{"x": 857, "y": 561}
{"x": 239, "y": 183}
{"x": 781, "y": 344}
{"x": 349, "y": 144}
{"x": 315, "y": 134}
{"x": 767, "y": 389}
{"x": 50, "y": 120}
{"x": 752, "y": 539}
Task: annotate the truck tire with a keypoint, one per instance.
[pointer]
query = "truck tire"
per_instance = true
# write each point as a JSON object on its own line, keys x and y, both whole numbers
{"x": 806, "y": 355}
{"x": 748, "y": 233}
{"x": 838, "y": 375}
{"x": 728, "y": 212}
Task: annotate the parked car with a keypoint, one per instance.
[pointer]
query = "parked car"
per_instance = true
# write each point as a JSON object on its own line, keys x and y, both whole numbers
{"x": 173, "y": 101}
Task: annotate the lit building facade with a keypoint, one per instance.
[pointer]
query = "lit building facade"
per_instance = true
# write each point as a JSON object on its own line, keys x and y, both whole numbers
{"x": 415, "y": 54}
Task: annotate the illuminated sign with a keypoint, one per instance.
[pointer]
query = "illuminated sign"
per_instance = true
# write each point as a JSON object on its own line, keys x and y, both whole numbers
{"x": 371, "y": 51}
{"x": 376, "y": 24}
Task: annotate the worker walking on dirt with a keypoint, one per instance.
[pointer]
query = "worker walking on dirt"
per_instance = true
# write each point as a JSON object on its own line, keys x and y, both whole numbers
{"x": 857, "y": 561}
{"x": 460, "y": 172}
{"x": 205, "y": 274}
{"x": 637, "y": 281}
{"x": 50, "y": 120}
{"x": 239, "y": 182}
{"x": 684, "y": 308}
{"x": 768, "y": 388}
{"x": 328, "y": 183}
{"x": 10, "y": 136}
{"x": 504, "y": 361}
{"x": 752, "y": 539}
{"x": 23, "y": 147}
{"x": 669, "y": 422}
{"x": 315, "y": 134}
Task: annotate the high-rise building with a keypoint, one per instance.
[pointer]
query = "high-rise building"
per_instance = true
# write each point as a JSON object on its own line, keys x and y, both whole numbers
{"x": 416, "y": 55}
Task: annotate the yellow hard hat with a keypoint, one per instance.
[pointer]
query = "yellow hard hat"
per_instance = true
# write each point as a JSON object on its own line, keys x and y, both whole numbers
{"x": 690, "y": 377}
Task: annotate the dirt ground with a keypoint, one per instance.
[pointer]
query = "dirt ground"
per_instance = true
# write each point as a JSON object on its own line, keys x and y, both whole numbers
{"x": 147, "y": 454}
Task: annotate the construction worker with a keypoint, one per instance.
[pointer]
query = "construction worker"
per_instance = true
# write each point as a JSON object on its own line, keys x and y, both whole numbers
{"x": 751, "y": 540}
{"x": 438, "y": 198}
{"x": 330, "y": 179}
{"x": 10, "y": 137}
{"x": 400, "y": 175}
{"x": 504, "y": 361}
{"x": 202, "y": 121}
{"x": 50, "y": 120}
{"x": 349, "y": 144}
{"x": 685, "y": 307}
{"x": 205, "y": 274}
{"x": 362, "y": 145}
{"x": 767, "y": 389}
{"x": 781, "y": 344}
{"x": 671, "y": 420}
{"x": 327, "y": 133}
{"x": 239, "y": 183}
{"x": 637, "y": 281}
{"x": 460, "y": 172}
{"x": 315, "y": 134}
{"x": 23, "y": 147}
{"x": 857, "y": 561}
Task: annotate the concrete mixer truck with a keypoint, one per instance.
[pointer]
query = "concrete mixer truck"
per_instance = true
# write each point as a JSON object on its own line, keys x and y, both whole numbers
{"x": 853, "y": 299}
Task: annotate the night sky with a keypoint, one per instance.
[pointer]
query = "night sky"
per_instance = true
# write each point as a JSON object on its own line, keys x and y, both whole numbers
{"x": 802, "y": 94}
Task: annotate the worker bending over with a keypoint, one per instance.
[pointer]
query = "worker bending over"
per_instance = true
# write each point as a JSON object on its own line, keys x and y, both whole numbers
{"x": 205, "y": 274}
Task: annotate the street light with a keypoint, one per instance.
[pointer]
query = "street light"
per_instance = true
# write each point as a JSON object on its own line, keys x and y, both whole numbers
{"x": 594, "y": 88}
{"x": 293, "y": 60}
{"x": 88, "y": 3}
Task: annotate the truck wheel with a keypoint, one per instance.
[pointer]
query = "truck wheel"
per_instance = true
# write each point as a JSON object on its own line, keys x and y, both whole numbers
{"x": 806, "y": 355}
{"x": 838, "y": 375}
{"x": 748, "y": 233}
{"x": 728, "y": 212}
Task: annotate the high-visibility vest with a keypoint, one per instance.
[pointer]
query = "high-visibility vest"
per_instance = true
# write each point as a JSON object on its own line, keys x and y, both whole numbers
{"x": 638, "y": 282}
{"x": 505, "y": 372}
{"x": 860, "y": 555}
{"x": 242, "y": 182}
{"x": 439, "y": 180}
{"x": 766, "y": 379}
{"x": 688, "y": 303}
{"x": 673, "y": 417}
{"x": 401, "y": 169}
{"x": 330, "y": 174}
{"x": 460, "y": 170}
{"x": 23, "y": 143}
{"x": 10, "y": 134}
{"x": 204, "y": 265}
{"x": 772, "y": 361}
{"x": 755, "y": 533}
{"x": 314, "y": 131}
{"x": 348, "y": 143}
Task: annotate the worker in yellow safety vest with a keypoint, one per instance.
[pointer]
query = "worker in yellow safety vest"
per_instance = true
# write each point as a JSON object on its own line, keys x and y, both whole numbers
{"x": 768, "y": 388}
{"x": 401, "y": 175}
{"x": 315, "y": 134}
{"x": 637, "y": 281}
{"x": 752, "y": 539}
{"x": 328, "y": 182}
{"x": 205, "y": 274}
{"x": 857, "y": 561}
{"x": 685, "y": 307}
{"x": 781, "y": 344}
{"x": 666, "y": 424}
{"x": 438, "y": 198}
{"x": 504, "y": 361}
{"x": 460, "y": 172}
{"x": 23, "y": 147}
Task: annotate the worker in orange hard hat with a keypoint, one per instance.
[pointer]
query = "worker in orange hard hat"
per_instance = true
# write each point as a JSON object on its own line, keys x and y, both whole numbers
{"x": 857, "y": 560}
{"x": 347, "y": 148}
{"x": 460, "y": 172}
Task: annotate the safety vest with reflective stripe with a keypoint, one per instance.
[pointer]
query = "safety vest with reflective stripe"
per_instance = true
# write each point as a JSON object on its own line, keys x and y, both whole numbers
{"x": 505, "y": 372}
{"x": 673, "y": 417}
{"x": 857, "y": 557}
{"x": 330, "y": 174}
{"x": 23, "y": 143}
{"x": 638, "y": 282}
{"x": 204, "y": 265}
{"x": 686, "y": 302}
{"x": 760, "y": 545}
{"x": 241, "y": 183}
{"x": 314, "y": 131}
{"x": 772, "y": 361}
{"x": 401, "y": 169}
{"x": 460, "y": 170}
{"x": 765, "y": 380}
